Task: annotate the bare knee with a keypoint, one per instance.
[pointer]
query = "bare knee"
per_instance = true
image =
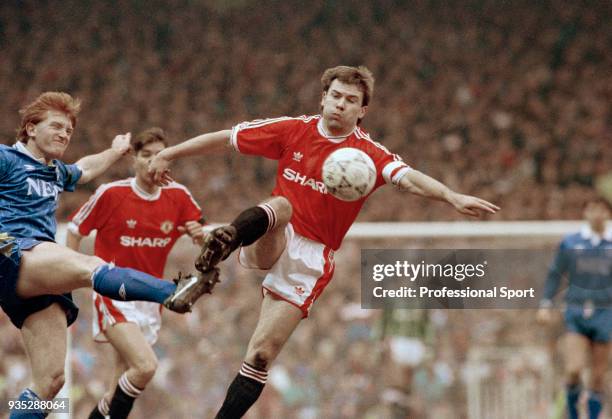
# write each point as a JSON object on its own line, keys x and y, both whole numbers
{"x": 283, "y": 209}
{"x": 84, "y": 268}
{"x": 260, "y": 359}
{"x": 572, "y": 376}
{"x": 144, "y": 370}
{"x": 90, "y": 264}
{"x": 264, "y": 353}
{"x": 597, "y": 380}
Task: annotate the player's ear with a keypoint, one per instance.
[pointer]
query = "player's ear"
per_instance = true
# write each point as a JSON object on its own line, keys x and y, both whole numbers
{"x": 322, "y": 101}
{"x": 30, "y": 129}
{"x": 363, "y": 111}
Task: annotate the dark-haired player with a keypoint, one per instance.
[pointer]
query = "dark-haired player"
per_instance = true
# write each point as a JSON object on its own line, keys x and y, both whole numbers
{"x": 137, "y": 224}
{"x": 586, "y": 258}
{"x": 294, "y": 234}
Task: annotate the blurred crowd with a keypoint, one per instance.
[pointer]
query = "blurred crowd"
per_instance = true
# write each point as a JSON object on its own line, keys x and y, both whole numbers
{"x": 507, "y": 100}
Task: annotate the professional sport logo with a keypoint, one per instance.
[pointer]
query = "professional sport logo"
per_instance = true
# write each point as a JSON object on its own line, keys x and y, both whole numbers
{"x": 297, "y": 156}
{"x": 131, "y": 223}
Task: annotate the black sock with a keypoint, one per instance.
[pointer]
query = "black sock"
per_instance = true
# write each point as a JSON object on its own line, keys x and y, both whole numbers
{"x": 100, "y": 410}
{"x": 123, "y": 399}
{"x": 253, "y": 223}
{"x": 243, "y": 392}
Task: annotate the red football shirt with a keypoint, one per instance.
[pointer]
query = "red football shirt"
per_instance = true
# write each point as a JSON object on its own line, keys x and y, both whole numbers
{"x": 136, "y": 229}
{"x": 301, "y": 146}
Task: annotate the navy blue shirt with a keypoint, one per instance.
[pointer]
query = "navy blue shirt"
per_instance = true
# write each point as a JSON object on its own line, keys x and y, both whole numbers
{"x": 29, "y": 191}
{"x": 587, "y": 260}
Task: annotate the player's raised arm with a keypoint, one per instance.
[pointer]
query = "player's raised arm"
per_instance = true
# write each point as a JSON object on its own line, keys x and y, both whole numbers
{"x": 96, "y": 164}
{"x": 420, "y": 184}
{"x": 202, "y": 144}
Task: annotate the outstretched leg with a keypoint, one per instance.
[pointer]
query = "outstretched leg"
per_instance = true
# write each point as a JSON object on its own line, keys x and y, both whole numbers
{"x": 49, "y": 268}
{"x": 263, "y": 225}
{"x": 260, "y": 231}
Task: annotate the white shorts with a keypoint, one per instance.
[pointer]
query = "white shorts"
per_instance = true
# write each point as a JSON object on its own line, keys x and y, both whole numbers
{"x": 300, "y": 274}
{"x": 107, "y": 312}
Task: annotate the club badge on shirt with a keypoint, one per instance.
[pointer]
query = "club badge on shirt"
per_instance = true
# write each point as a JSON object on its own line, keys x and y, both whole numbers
{"x": 166, "y": 227}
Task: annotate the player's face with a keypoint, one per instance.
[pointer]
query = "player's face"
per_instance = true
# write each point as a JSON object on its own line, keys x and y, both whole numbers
{"x": 142, "y": 160}
{"x": 51, "y": 136}
{"x": 341, "y": 107}
{"x": 596, "y": 214}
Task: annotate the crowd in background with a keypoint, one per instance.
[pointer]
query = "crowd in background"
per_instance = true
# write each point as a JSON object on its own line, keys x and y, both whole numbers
{"x": 506, "y": 100}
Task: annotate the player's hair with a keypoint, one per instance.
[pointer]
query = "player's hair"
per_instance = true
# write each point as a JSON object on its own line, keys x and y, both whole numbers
{"x": 359, "y": 76}
{"x": 599, "y": 200}
{"x": 48, "y": 101}
{"x": 148, "y": 136}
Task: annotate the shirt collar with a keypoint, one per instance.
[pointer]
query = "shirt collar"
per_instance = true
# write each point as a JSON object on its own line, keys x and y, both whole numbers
{"x": 588, "y": 234}
{"x": 144, "y": 194}
{"x": 19, "y": 146}
{"x": 334, "y": 139}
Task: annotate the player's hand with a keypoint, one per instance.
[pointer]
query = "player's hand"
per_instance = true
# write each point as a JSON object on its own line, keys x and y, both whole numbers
{"x": 194, "y": 230}
{"x": 159, "y": 170}
{"x": 472, "y": 206}
{"x": 544, "y": 315}
{"x": 121, "y": 144}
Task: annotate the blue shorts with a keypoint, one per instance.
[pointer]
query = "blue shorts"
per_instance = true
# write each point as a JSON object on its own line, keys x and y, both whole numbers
{"x": 16, "y": 308}
{"x": 596, "y": 327}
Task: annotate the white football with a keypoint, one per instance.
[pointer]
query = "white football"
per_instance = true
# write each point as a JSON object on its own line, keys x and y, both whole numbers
{"x": 349, "y": 174}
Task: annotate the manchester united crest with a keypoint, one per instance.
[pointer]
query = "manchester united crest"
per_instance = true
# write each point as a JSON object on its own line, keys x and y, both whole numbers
{"x": 166, "y": 227}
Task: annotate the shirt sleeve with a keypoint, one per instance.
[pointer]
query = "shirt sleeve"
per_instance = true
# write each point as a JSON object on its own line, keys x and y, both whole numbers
{"x": 72, "y": 173}
{"x": 389, "y": 166}
{"x": 263, "y": 137}
{"x": 93, "y": 214}
{"x": 558, "y": 267}
{"x": 191, "y": 209}
{"x": 5, "y": 163}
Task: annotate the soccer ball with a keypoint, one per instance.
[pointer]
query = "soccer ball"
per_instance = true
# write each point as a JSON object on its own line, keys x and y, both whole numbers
{"x": 349, "y": 174}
